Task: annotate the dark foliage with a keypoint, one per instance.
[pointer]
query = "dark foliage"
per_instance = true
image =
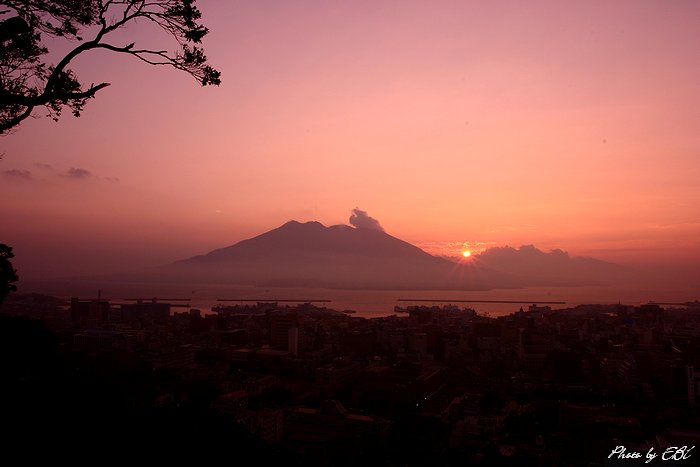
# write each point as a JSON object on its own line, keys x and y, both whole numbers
{"x": 28, "y": 82}
{"x": 8, "y": 275}
{"x": 58, "y": 407}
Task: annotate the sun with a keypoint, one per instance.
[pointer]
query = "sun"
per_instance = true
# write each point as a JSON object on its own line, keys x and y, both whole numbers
{"x": 466, "y": 253}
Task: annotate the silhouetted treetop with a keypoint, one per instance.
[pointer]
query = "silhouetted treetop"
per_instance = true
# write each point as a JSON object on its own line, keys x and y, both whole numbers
{"x": 8, "y": 275}
{"x": 27, "y": 81}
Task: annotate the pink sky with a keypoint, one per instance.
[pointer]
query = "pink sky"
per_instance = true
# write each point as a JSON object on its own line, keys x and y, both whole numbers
{"x": 566, "y": 125}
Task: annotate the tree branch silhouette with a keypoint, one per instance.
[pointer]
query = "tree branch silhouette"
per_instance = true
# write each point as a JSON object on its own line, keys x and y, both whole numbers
{"x": 27, "y": 82}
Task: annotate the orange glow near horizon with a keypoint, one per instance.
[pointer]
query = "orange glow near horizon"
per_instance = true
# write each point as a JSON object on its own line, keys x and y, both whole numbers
{"x": 466, "y": 254}
{"x": 577, "y": 125}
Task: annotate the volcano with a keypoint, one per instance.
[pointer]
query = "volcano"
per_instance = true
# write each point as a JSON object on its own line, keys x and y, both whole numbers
{"x": 312, "y": 255}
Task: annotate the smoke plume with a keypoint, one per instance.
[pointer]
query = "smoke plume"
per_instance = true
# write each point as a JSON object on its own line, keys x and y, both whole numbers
{"x": 361, "y": 220}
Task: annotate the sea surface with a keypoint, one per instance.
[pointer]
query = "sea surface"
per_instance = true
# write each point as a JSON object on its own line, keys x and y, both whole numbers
{"x": 365, "y": 303}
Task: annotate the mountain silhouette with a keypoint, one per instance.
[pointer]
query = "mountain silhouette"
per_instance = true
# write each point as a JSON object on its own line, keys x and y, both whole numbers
{"x": 556, "y": 267}
{"x": 312, "y": 255}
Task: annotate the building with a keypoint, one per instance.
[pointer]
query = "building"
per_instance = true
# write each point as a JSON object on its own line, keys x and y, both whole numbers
{"x": 285, "y": 332}
{"x": 153, "y": 311}
{"x": 88, "y": 312}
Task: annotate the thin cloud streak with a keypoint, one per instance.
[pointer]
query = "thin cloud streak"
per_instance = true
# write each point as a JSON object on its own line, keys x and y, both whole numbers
{"x": 77, "y": 173}
{"x": 18, "y": 174}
